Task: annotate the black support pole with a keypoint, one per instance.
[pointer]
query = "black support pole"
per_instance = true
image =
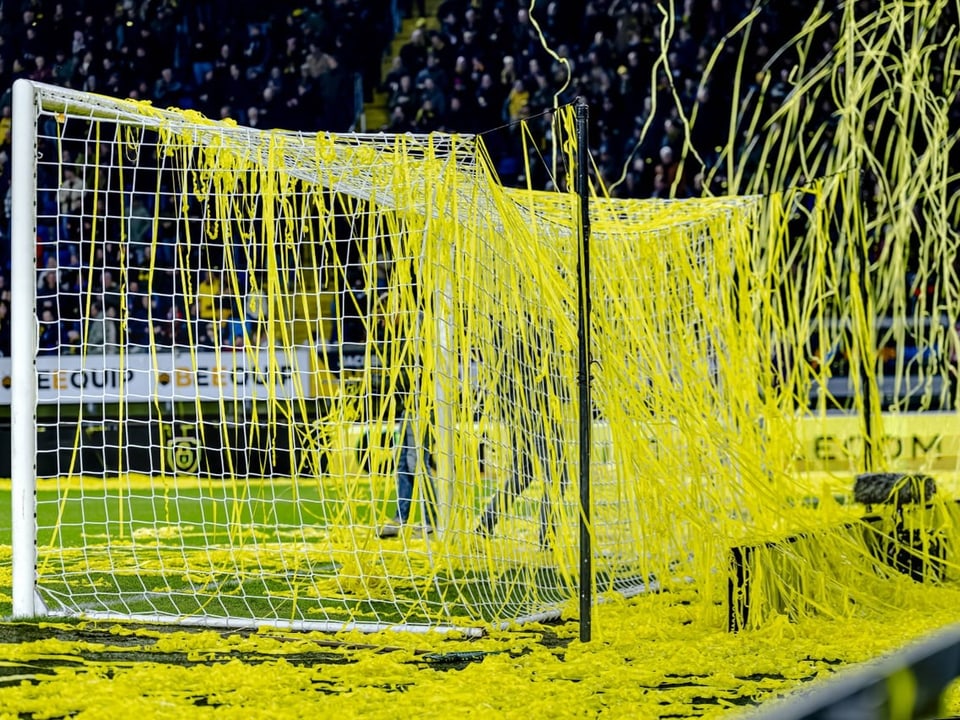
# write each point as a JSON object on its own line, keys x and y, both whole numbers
{"x": 868, "y": 365}
{"x": 583, "y": 337}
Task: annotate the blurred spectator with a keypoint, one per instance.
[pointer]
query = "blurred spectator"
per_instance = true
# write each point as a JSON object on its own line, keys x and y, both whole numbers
{"x": 4, "y": 329}
{"x": 253, "y": 117}
{"x": 70, "y": 339}
{"x": 138, "y": 323}
{"x": 431, "y": 93}
{"x": 428, "y": 119}
{"x": 167, "y": 90}
{"x": 404, "y": 96}
{"x": 71, "y": 202}
{"x": 413, "y": 54}
{"x": 110, "y": 291}
{"x": 206, "y": 337}
{"x": 49, "y": 340}
{"x": 336, "y": 97}
{"x": 95, "y": 330}
{"x": 48, "y": 293}
{"x": 139, "y": 231}
{"x": 516, "y": 107}
{"x": 111, "y": 329}
{"x": 173, "y": 328}
{"x": 256, "y": 49}
{"x": 255, "y": 312}
{"x": 397, "y": 70}
{"x": 6, "y": 124}
{"x": 203, "y": 52}
{"x": 208, "y": 296}
{"x": 234, "y": 331}
{"x": 352, "y": 309}
{"x": 398, "y": 121}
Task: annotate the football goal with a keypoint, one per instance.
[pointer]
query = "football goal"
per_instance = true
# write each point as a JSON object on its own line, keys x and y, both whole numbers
{"x": 318, "y": 381}
{"x": 330, "y": 381}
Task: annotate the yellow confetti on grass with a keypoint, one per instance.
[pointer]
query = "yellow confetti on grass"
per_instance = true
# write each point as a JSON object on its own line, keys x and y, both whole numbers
{"x": 634, "y": 669}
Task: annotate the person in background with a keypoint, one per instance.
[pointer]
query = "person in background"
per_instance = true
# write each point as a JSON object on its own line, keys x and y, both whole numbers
{"x": 4, "y": 329}
{"x": 396, "y": 340}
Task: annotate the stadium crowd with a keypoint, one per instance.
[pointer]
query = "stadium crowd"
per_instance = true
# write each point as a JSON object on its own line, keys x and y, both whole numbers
{"x": 476, "y": 66}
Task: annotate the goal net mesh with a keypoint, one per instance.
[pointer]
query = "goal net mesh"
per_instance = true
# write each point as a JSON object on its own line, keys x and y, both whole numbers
{"x": 333, "y": 380}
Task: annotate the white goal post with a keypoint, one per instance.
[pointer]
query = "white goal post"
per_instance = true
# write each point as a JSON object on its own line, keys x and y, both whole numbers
{"x": 23, "y": 372}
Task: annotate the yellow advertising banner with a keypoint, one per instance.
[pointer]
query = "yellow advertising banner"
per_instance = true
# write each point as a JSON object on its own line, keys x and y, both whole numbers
{"x": 924, "y": 442}
{"x": 920, "y": 442}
